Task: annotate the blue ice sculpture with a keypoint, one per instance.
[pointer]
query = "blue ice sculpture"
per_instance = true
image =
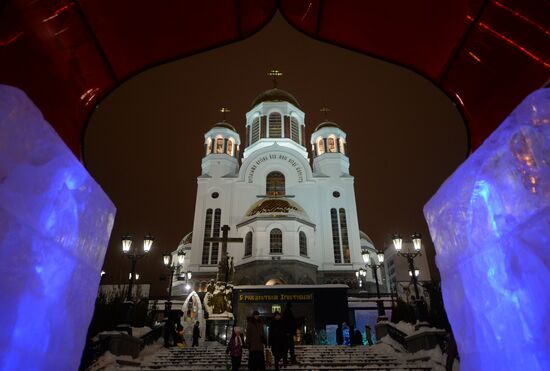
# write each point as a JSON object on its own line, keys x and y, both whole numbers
{"x": 55, "y": 222}
{"x": 490, "y": 223}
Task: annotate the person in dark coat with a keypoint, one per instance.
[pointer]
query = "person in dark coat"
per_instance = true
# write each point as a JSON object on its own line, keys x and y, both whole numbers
{"x": 235, "y": 348}
{"x": 357, "y": 337}
{"x": 339, "y": 335}
{"x": 368, "y": 334}
{"x": 255, "y": 340}
{"x": 289, "y": 325}
{"x": 169, "y": 330}
{"x": 351, "y": 335}
{"x": 277, "y": 339}
{"x": 196, "y": 334}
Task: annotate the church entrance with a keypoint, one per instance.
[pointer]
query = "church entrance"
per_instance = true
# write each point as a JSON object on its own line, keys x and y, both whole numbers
{"x": 313, "y": 306}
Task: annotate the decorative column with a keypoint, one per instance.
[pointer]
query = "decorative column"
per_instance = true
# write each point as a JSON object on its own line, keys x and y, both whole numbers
{"x": 263, "y": 127}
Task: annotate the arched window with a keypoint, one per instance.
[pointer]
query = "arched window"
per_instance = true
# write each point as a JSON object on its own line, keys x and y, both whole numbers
{"x": 335, "y": 236}
{"x": 331, "y": 144}
{"x": 275, "y": 184}
{"x": 229, "y": 150}
{"x": 342, "y": 146}
{"x": 276, "y": 241}
{"x": 255, "y": 136}
{"x": 207, "y": 233}
{"x": 344, "y": 232}
{"x": 248, "y": 244}
{"x": 320, "y": 146}
{"x": 275, "y": 125}
{"x": 209, "y": 146}
{"x": 294, "y": 129}
{"x": 216, "y": 233}
{"x": 219, "y": 145}
{"x": 303, "y": 243}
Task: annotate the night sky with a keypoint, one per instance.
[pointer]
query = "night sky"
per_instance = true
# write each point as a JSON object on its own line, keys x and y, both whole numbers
{"x": 144, "y": 143}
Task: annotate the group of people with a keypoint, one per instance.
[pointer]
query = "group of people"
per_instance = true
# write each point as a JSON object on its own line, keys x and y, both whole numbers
{"x": 174, "y": 334}
{"x": 355, "y": 336}
{"x": 281, "y": 341}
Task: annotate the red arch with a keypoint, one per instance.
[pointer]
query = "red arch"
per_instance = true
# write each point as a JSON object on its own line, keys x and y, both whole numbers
{"x": 66, "y": 55}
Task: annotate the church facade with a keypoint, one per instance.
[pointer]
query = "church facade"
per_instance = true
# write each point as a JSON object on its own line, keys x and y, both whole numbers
{"x": 289, "y": 197}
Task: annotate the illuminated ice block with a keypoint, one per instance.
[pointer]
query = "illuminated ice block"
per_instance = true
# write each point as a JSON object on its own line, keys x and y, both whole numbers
{"x": 55, "y": 222}
{"x": 490, "y": 223}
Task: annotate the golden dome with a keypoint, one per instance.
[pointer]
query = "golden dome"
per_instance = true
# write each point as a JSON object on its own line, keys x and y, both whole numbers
{"x": 276, "y": 206}
{"x": 275, "y": 95}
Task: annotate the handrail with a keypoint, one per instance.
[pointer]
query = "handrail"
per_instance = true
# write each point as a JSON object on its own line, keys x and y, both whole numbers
{"x": 152, "y": 336}
{"x": 397, "y": 334}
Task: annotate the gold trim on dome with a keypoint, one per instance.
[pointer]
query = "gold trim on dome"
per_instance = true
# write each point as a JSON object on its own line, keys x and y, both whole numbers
{"x": 273, "y": 206}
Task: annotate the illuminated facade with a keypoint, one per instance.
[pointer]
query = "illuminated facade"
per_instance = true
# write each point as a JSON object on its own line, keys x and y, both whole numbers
{"x": 297, "y": 217}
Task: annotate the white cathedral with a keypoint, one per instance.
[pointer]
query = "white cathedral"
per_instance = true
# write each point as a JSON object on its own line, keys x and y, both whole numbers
{"x": 295, "y": 210}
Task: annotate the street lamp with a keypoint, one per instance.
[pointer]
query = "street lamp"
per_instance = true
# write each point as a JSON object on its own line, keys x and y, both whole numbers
{"x": 134, "y": 256}
{"x": 410, "y": 255}
{"x": 187, "y": 279}
{"x": 172, "y": 266}
{"x": 369, "y": 263}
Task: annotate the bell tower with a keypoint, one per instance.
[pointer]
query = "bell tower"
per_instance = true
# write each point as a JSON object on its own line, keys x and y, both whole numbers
{"x": 329, "y": 148}
{"x": 221, "y": 145}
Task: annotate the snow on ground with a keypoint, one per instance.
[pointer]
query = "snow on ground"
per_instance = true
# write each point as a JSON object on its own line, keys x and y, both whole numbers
{"x": 138, "y": 332}
{"x": 108, "y": 361}
{"x": 405, "y": 327}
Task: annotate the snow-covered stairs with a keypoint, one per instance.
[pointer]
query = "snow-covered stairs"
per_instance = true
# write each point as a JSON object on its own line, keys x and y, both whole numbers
{"x": 319, "y": 357}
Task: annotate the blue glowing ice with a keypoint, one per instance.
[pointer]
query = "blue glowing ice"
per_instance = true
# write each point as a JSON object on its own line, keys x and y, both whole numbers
{"x": 55, "y": 222}
{"x": 490, "y": 223}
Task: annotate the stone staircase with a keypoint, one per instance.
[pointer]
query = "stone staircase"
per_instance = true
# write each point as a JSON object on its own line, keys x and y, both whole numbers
{"x": 313, "y": 357}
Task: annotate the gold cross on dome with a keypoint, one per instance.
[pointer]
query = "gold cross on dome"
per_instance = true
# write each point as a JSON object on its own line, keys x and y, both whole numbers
{"x": 274, "y": 73}
{"x": 224, "y": 110}
{"x": 325, "y": 111}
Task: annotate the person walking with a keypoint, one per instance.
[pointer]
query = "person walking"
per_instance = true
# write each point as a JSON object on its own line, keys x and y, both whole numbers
{"x": 277, "y": 339}
{"x": 180, "y": 342}
{"x": 289, "y": 325}
{"x": 339, "y": 334}
{"x": 169, "y": 329}
{"x": 196, "y": 334}
{"x": 357, "y": 337}
{"x": 352, "y": 337}
{"x": 368, "y": 334}
{"x": 235, "y": 348}
{"x": 255, "y": 339}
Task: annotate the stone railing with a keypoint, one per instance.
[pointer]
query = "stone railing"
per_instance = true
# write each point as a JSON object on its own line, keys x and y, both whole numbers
{"x": 384, "y": 328}
{"x": 152, "y": 336}
{"x": 118, "y": 344}
{"x": 422, "y": 338}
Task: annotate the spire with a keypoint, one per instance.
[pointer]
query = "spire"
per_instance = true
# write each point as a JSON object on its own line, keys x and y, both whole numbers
{"x": 274, "y": 73}
{"x": 224, "y": 110}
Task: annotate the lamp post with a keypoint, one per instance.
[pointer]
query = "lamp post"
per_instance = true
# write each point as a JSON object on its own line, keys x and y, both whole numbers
{"x": 413, "y": 272}
{"x": 172, "y": 266}
{"x": 187, "y": 276}
{"x": 132, "y": 254}
{"x": 369, "y": 263}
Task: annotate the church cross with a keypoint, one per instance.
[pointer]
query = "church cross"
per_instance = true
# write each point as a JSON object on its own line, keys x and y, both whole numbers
{"x": 224, "y": 239}
{"x": 325, "y": 111}
{"x": 224, "y": 110}
{"x": 274, "y": 73}
{"x": 223, "y": 266}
